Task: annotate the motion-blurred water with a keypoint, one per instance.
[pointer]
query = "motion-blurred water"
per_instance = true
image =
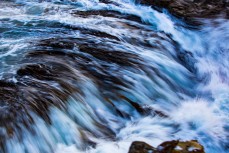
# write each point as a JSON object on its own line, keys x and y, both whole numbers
{"x": 93, "y": 76}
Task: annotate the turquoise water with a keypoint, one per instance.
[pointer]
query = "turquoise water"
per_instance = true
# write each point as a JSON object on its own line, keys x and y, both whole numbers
{"x": 168, "y": 81}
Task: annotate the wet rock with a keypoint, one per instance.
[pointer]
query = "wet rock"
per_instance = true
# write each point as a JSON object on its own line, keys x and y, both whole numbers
{"x": 141, "y": 147}
{"x": 105, "y": 13}
{"x": 186, "y": 58}
{"x": 118, "y": 57}
{"x": 56, "y": 43}
{"x": 189, "y": 9}
{"x": 57, "y": 68}
{"x": 49, "y": 75}
{"x": 174, "y": 146}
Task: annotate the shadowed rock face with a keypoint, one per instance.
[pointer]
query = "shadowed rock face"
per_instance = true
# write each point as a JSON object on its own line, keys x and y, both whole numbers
{"x": 167, "y": 147}
{"x": 189, "y": 9}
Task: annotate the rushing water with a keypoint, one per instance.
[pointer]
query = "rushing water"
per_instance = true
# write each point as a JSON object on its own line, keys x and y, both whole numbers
{"x": 93, "y": 76}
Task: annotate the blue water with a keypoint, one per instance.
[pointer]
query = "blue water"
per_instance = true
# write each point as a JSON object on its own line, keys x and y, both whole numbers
{"x": 193, "y": 93}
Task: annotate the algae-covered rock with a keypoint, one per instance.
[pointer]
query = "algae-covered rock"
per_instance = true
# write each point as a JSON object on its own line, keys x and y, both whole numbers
{"x": 174, "y": 146}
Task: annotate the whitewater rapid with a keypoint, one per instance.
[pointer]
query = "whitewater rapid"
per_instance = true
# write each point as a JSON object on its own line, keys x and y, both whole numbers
{"x": 172, "y": 82}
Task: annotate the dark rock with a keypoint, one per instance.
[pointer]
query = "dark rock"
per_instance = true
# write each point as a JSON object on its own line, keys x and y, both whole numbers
{"x": 118, "y": 57}
{"x": 55, "y": 43}
{"x": 106, "y": 13}
{"x": 189, "y": 9}
{"x": 141, "y": 147}
{"x": 174, "y": 146}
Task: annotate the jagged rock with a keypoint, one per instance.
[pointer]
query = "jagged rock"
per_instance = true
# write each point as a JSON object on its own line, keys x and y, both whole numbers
{"x": 188, "y": 9}
{"x": 174, "y": 146}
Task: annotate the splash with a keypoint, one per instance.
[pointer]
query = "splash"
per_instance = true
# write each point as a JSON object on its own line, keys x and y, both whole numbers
{"x": 94, "y": 76}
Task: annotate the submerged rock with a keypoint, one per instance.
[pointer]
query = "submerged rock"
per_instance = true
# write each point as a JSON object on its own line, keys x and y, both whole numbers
{"x": 189, "y": 9}
{"x": 174, "y": 146}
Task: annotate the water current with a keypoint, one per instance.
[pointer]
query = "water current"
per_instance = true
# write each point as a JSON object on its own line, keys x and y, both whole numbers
{"x": 93, "y": 76}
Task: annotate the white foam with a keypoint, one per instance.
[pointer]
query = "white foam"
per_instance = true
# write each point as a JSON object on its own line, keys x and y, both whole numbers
{"x": 199, "y": 116}
{"x": 193, "y": 117}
